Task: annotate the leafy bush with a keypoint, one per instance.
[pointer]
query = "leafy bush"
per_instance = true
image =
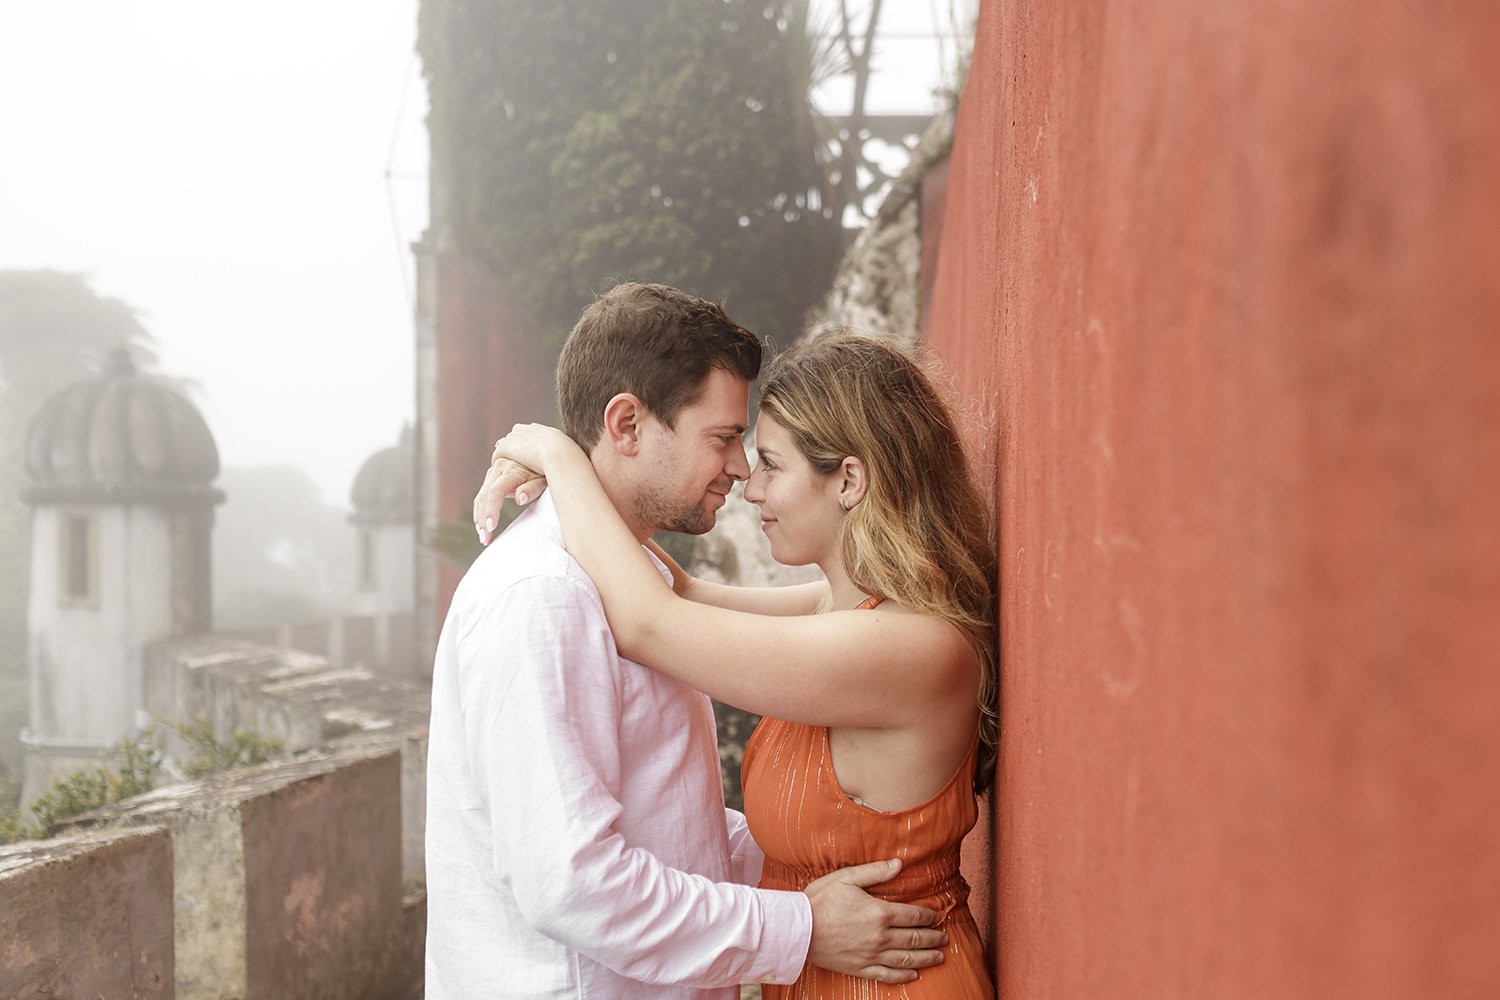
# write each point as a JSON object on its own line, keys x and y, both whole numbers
{"x": 139, "y": 768}
{"x": 87, "y": 790}
{"x": 210, "y": 756}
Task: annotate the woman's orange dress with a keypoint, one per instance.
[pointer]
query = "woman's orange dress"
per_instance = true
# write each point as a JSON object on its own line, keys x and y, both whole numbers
{"x": 808, "y": 827}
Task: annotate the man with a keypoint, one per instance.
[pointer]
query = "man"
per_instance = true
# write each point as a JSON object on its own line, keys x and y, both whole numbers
{"x": 577, "y": 841}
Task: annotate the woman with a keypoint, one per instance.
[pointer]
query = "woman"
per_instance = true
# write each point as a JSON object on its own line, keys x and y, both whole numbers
{"x": 878, "y": 683}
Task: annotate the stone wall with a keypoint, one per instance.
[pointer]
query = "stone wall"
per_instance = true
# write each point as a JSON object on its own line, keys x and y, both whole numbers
{"x": 382, "y": 643}
{"x": 298, "y": 878}
{"x": 300, "y": 699}
{"x": 87, "y": 916}
{"x": 1224, "y": 278}
{"x": 286, "y": 878}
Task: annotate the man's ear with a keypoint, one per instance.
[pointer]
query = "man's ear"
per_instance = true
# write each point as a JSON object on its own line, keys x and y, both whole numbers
{"x": 623, "y": 416}
{"x": 854, "y": 480}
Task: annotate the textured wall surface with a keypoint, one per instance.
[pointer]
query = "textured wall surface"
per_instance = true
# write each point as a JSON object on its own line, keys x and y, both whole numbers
{"x": 87, "y": 916}
{"x": 323, "y": 885}
{"x": 1220, "y": 282}
{"x": 492, "y": 372}
{"x": 285, "y": 879}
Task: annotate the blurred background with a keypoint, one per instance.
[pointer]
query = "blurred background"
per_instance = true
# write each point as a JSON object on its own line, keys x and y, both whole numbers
{"x": 236, "y": 194}
{"x": 1214, "y": 286}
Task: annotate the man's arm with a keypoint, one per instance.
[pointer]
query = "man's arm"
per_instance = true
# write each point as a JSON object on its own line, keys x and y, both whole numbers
{"x": 541, "y": 705}
{"x": 745, "y": 856}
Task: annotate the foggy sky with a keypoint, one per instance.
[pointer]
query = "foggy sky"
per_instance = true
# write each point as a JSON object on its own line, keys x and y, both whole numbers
{"x": 221, "y": 167}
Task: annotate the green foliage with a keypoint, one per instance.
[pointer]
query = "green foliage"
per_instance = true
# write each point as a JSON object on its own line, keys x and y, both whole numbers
{"x": 87, "y": 790}
{"x": 660, "y": 140}
{"x": 12, "y": 828}
{"x": 679, "y": 546}
{"x": 79, "y": 792}
{"x": 458, "y": 543}
{"x": 209, "y": 756}
{"x": 140, "y": 763}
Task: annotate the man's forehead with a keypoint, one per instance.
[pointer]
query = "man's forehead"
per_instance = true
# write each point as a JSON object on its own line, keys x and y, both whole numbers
{"x": 723, "y": 402}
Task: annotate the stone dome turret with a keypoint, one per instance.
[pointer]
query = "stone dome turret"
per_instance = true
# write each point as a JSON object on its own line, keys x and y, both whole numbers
{"x": 385, "y": 487}
{"x": 119, "y": 437}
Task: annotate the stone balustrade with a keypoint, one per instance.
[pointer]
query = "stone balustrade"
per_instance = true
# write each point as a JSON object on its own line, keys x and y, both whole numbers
{"x": 297, "y": 878}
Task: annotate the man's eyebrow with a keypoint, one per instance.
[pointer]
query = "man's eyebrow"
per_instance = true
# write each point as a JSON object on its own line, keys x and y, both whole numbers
{"x": 727, "y": 428}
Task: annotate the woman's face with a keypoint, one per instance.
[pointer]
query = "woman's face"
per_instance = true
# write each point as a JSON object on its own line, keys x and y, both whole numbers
{"x": 799, "y": 507}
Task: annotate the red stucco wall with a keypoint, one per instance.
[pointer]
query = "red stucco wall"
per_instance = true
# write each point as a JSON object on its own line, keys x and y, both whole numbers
{"x": 1223, "y": 281}
{"x": 492, "y": 373}
{"x": 87, "y": 916}
{"x": 322, "y": 869}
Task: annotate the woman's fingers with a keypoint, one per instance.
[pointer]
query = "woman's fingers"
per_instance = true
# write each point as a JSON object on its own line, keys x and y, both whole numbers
{"x": 500, "y": 481}
{"x": 530, "y": 490}
{"x": 487, "y": 504}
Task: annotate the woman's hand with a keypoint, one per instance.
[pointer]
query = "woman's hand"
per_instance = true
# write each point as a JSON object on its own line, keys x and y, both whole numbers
{"x": 517, "y": 467}
{"x": 502, "y": 479}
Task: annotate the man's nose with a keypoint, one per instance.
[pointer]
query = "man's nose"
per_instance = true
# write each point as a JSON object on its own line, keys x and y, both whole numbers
{"x": 738, "y": 466}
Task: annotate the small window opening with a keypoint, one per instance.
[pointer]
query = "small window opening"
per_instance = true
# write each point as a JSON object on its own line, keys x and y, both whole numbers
{"x": 76, "y": 567}
{"x": 78, "y": 557}
{"x": 367, "y": 560}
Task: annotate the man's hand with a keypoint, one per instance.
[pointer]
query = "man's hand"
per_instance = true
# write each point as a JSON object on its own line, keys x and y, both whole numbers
{"x": 859, "y": 935}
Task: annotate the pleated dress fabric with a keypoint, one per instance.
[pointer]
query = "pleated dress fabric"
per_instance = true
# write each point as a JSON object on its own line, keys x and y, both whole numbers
{"x": 809, "y": 827}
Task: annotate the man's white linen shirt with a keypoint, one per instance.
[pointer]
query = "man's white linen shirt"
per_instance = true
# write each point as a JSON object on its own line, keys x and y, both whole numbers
{"x": 577, "y": 840}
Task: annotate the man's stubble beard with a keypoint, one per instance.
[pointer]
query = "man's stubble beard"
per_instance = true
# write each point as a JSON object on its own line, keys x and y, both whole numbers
{"x": 655, "y": 510}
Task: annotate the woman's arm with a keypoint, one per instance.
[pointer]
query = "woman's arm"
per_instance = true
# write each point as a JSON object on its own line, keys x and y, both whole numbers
{"x": 505, "y": 477}
{"x": 877, "y": 668}
{"x": 797, "y": 599}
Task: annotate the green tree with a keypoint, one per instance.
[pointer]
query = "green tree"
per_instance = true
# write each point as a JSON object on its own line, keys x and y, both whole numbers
{"x": 54, "y": 330}
{"x": 661, "y": 140}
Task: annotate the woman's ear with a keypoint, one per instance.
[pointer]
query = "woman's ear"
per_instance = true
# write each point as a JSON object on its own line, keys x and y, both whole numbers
{"x": 854, "y": 480}
{"x": 623, "y": 416}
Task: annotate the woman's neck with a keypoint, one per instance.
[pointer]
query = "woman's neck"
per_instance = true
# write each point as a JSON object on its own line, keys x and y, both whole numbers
{"x": 843, "y": 593}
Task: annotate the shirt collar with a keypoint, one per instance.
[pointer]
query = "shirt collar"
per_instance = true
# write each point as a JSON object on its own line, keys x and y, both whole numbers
{"x": 546, "y": 511}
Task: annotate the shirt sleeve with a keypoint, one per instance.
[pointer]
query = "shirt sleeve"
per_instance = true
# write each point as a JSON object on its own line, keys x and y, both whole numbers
{"x": 541, "y": 697}
{"x": 746, "y": 859}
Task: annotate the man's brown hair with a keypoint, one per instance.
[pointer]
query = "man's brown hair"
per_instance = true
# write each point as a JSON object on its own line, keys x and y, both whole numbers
{"x": 654, "y": 341}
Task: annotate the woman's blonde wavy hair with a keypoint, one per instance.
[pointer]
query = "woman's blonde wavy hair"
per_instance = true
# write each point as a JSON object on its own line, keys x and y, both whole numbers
{"x": 922, "y": 535}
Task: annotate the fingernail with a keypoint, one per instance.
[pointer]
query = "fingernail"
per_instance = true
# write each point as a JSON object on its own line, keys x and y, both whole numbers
{"x": 520, "y": 498}
{"x": 489, "y": 524}
{"x": 480, "y": 532}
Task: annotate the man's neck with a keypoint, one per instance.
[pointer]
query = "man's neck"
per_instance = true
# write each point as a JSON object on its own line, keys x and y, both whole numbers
{"x": 621, "y": 496}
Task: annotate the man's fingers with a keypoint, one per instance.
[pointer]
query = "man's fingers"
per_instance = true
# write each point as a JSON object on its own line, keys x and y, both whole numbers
{"x": 906, "y": 915}
{"x": 922, "y": 959}
{"x": 914, "y": 938}
{"x": 873, "y": 873}
{"x": 889, "y": 975}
